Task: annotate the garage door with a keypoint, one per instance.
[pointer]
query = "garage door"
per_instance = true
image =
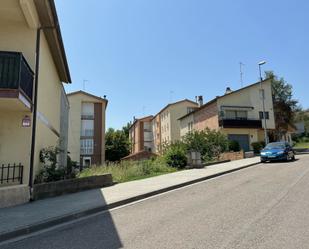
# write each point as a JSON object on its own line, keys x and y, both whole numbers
{"x": 243, "y": 140}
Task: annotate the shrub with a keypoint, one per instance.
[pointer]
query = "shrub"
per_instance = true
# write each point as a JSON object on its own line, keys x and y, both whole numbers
{"x": 175, "y": 155}
{"x": 209, "y": 143}
{"x": 51, "y": 170}
{"x": 234, "y": 146}
{"x": 257, "y": 146}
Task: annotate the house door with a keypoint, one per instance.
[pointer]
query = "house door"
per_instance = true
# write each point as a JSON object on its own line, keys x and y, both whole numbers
{"x": 86, "y": 162}
{"x": 243, "y": 140}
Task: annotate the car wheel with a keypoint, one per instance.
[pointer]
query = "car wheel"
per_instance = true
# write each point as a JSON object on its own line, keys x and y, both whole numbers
{"x": 293, "y": 158}
{"x": 263, "y": 161}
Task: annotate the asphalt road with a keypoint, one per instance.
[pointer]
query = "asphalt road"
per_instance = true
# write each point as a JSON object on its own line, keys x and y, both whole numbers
{"x": 264, "y": 206}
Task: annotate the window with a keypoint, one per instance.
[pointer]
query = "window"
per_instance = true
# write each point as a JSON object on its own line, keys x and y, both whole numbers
{"x": 231, "y": 114}
{"x": 190, "y": 109}
{"x": 86, "y": 146}
{"x": 262, "y": 115}
{"x": 87, "y": 110}
{"x": 87, "y": 128}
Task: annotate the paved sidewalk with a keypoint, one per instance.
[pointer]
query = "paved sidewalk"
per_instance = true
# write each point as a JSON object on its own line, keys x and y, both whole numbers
{"x": 31, "y": 217}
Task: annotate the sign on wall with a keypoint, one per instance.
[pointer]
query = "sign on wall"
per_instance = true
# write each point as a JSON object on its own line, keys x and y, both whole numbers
{"x": 26, "y": 122}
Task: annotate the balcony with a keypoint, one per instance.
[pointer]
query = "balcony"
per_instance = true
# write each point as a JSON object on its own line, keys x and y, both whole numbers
{"x": 240, "y": 123}
{"x": 16, "y": 82}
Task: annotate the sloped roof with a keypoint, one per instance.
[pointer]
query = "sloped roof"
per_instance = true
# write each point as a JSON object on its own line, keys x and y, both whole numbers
{"x": 87, "y": 94}
{"x": 175, "y": 103}
{"x": 222, "y": 96}
{"x": 47, "y": 14}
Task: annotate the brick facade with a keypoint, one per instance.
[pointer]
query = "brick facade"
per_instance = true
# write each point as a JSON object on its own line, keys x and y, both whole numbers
{"x": 206, "y": 117}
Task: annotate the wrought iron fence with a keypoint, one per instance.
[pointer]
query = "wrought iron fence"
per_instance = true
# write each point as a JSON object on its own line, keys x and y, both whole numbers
{"x": 11, "y": 173}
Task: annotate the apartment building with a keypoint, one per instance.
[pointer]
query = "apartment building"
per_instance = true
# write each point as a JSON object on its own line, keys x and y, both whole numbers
{"x": 165, "y": 124}
{"x": 140, "y": 133}
{"x": 87, "y": 128}
{"x": 238, "y": 114}
{"x": 25, "y": 44}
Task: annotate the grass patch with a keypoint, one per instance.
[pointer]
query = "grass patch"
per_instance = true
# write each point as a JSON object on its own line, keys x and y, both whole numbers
{"x": 125, "y": 171}
{"x": 302, "y": 145}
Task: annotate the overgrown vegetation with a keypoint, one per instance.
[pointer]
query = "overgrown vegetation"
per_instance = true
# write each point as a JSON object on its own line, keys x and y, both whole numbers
{"x": 209, "y": 143}
{"x": 131, "y": 170}
{"x": 51, "y": 170}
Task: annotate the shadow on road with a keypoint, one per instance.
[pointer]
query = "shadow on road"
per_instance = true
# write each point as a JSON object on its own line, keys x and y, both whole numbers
{"x": 98, "y": 231}
{"x": 282, "y": 161}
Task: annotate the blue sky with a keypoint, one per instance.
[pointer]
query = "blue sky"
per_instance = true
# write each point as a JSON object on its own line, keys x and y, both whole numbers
{"x": 143, "y": 54}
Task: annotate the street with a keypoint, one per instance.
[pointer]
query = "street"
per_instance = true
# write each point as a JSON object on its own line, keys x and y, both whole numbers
{"x": 264, "y": 206}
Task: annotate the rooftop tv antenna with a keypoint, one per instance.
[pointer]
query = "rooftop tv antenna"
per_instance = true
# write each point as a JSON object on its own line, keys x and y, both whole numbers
{"x": 241, "y": 73}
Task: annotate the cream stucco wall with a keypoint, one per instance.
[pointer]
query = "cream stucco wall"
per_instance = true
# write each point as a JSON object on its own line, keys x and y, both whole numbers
{"x": 175, "y": 112}
{"x": 251, "y": 97}
{"x": 184, "y": 124}
{"x": 14, "y": 140}
{"x": 49, "y": 100}
{"x": 17, "y": 36}
{"x": 75, "y": 101}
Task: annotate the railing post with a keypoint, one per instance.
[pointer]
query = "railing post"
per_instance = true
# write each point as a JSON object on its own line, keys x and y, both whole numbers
{"x": 8, "y": 174}
{"x": 21, "y": 174}
{"x": 2, "y": 168}
{"x": 14, "y": 166}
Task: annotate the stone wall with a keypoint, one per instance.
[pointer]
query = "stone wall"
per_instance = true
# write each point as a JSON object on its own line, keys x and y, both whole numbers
{"x": 51, "y": 189}
{"x": 232, "y": 156}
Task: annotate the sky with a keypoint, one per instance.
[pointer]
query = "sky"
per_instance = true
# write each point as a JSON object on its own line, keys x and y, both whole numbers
{"x": 144, "y": 54}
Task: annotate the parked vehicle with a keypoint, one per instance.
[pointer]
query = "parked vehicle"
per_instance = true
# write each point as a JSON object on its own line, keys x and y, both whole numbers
{"x": 277, "y": 151}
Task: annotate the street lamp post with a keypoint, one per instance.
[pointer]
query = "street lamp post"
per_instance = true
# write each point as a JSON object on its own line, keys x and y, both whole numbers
{"x": 263, "y": 101}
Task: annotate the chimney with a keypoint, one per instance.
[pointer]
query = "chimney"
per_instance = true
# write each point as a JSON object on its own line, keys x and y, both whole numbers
{"x": 200, "y": 100}
{"x": 228, "y": 90}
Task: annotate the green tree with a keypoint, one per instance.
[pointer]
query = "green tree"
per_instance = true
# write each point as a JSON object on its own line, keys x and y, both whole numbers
{"x": 117, "y": 144}
{"x": 284, "y": 104}
{"x": 209, "y": 143}
{"x": 126, "y": 129}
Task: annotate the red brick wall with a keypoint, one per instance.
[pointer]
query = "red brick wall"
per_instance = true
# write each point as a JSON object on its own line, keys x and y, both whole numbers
{"x": 207, "y": 117}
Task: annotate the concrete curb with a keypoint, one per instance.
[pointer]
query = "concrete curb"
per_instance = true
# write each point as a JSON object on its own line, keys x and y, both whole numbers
{"x": 66, "y": 218}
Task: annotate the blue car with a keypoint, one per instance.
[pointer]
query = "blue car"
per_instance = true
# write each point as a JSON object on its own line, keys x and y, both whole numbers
{"x": 277, "y": 151}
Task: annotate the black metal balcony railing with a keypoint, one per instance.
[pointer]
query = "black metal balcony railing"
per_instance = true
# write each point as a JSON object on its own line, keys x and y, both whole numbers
{"x": 11, "y": 174}
{"x": 15, "y": 73}
{"x": 240, "y": 123}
